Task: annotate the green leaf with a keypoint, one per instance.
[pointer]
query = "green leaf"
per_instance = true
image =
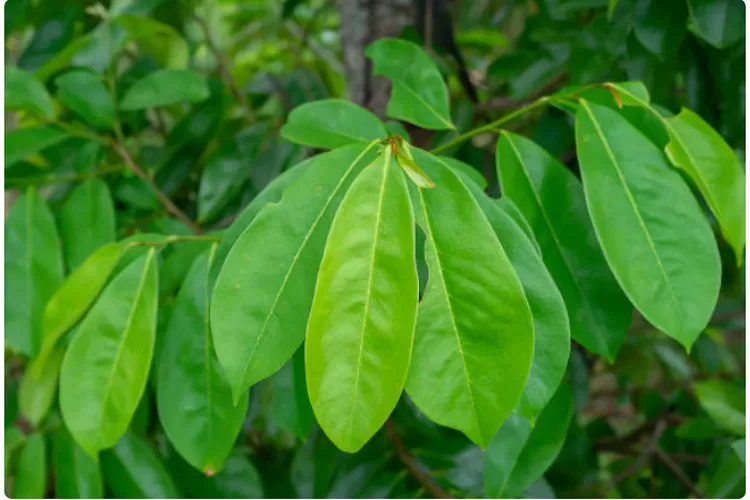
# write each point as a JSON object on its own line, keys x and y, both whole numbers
{"x": 33, "y": 270}
{"x": 739, "y": 448}
{"x": 106, "y": 367}
{"x": 290, "y": 404}
{"x": 365, "y": 306}
{"x": 727, "y": 475}
{"x": 30, "y": 480}
{"x": 39, "y": 386}
{"x": 14, "y": 438}
{"x": 87, "y": 221}
{"x": 551, "y": 327}
{"x": 254, "y": 342}
{"x": 87, "y": 96}
{"x": 419, "y": 94}
{"x": 76, "y": 294}
{"x": 658, "y": 243}
{"x": 512, "y": 211}
{"x": 332, "y": 123}
{"x": 519, "y": 454}
{"x": 720, "y": 22}
{"x": 237, "y": 479}
{"x": 193, "y": 399}
{"x": 165, "y": 87}
{"x": 660, "y": 26}
{"x": 314, "y": 466}
{"x": 270, "y": 194}
{"x": 24, "y": 142}
{"x": 466, "y": 170}
{"x": 77, "y": 475}
{"x": 475, "y": 337}
{"x": 132, "y": 469}
{"x": 712, "y": 165}
{"x": 552, "y": 201}
{"x": 162, "y": 41}
{"x": 24, "y": 92}
{"x": 405, "y": 160}
{"x": 724, "y": 402}
{"x": 60, "y": 60}
{"x": 222, "y": 178}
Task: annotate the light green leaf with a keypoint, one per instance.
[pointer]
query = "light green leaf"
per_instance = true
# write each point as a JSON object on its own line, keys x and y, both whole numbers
{"x": 419, "y": 94}
{"x": 133, "y": 469}
{"x": 365, "y": 306}
{"x": 657, "y": 242}
{"x": 724, "y": 402}
{"x": 466, "y": 170}
{"x": 30, "y": 480}
{"x": 512, "y": 211}
{"x": 254, "y": 342}
{"x": 290, "y": 403}
{"x": 162, "y": 41}
{"x": 87, "y": 96}
{"x": 475, "y": 337}
{"x": 332, "y": 123}
{"x": 76, "y": 294}
{"x": 77, "y": 475}
{"x": 519, "y": 454}
{"x": 552, "y": 201}
{"x": 404, "y": 159}
{"x": 105, "y": 370}
{"x": 24, "y": 92}
{"x": 39, "y": 386}
{"x": 720, "y": 22}
{"x": 193, "y": 399}
{"x": 87, "y": 221}
{"x": 551, "y": 327}
{"x": 712, "y": 165}
{"x": 24, "y": 142}
{"x": 165, "y": 87}
{"x": 33, "y": 270}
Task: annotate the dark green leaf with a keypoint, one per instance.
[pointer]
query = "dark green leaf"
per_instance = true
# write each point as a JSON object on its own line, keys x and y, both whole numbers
{"x": 660, "y": 26}
{"x": 24, "y": 92}
{"x": 105, "y": 370}
{"x": 33, "y": 271}
{"x": 724, "y": 402}
{"x": 720, "y": 22}
{"x": 30, "y": 479}
{"x": 332, "y": 123}
{"x": 365, "y": 306}
{"x": 24, "y": 142}
{"x": 87, "y": 96}
{"x": 165, "y": 87}
{"x": 290, "y": 406}
{"x": 77, "y": 475}
{"x": 419, "y": 94}
{"x": 163, "y": 42}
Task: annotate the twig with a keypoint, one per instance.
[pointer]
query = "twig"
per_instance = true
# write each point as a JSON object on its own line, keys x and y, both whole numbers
{"x": 675, "y": 469}
{"x": 226, "y": 75}
{"x": 428, "y": 24}
{"x": 507, "y": 103}
{"x": 164, "y": 199}
{"x": 424, "y": 478}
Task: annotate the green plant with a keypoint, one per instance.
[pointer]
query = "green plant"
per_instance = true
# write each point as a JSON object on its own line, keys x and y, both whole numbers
{"x": 354, "y": 276}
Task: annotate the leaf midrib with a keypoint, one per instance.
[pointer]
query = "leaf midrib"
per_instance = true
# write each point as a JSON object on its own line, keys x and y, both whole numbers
{"x": 427, "y": 105}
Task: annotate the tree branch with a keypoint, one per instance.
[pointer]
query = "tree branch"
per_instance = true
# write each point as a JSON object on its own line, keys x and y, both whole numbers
{"x": 226, "y": 75}
{"x": 424, "y": 477}
{"x": 675, "y": 469}
{"x": 164, "y": 199}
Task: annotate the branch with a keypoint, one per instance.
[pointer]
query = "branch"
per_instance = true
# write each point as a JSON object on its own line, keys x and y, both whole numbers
{"x": 164, "y": 199}
{"x": 226, "y": 75}
{"x": 675, "y": 469}
{"x": 424, "y": 478}
{"x": 507, "y": 103}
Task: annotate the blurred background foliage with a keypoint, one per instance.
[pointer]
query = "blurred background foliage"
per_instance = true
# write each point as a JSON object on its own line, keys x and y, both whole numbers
{"x": 653, "y": 424}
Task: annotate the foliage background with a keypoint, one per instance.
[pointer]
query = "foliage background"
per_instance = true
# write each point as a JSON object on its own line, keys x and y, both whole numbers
{"x": 638, "y": 428}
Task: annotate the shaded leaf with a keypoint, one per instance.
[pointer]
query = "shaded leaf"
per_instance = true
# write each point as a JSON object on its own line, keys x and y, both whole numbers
{"x": 77, "y": 475}
{"x": 88, "y": 97}
{"x": 30, "y": 479}
{"x": 24, "y": 142}
{"x": 719, "y": 22}
{"x": 724, "y": 402}
{"x": 290, "y": 406}
{"x": 165, "y": 87}
{"x": 39, "y": 386}
{"x": 24, "y": 92}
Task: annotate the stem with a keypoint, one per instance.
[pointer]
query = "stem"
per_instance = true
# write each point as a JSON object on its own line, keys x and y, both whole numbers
{"x": 412, "y": 465}
{"x": 675, "y": 469}
{"x": 226, "y": 75}
{"x": 164, "y": 199}
{"x": 492, "y": 125}
{"x": 175, "y": 238}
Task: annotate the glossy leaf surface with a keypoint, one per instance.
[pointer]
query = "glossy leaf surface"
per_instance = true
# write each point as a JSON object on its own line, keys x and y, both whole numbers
{"x": 520, "y": 454}
{"x": 724, "y": 402}
{"x": 474, "y": 340}
{"x": 105, "y": 369}
{"x": 332, "y": 123}
{"x": 33, "y": 270}
{"x": 89, "y": 206}
{"x": 164, "y": 87}
{"x": 654, "y": 236}
{"x": 712, "y": 165}
{"x": 419, "y": 94}
{"x": 87, "y": 96}
{"x": 77, "y": 475}
{"x": 552, "y": 201}
{"x": 551, "y": 327}
{"x": 133, "y": 469}
{"x": 361, "y": 326}
{"x": 259, "y": 312}
{"x": 193, "y": 398}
